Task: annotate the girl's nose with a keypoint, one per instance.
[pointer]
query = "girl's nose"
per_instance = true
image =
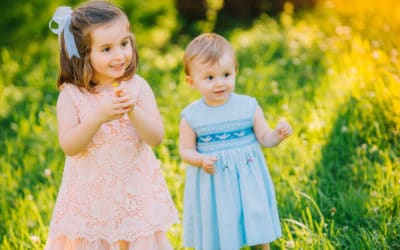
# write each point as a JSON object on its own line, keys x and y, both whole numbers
{"x": 118, "y": 53}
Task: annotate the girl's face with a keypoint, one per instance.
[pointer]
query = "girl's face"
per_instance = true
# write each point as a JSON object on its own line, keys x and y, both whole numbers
{"x": 215, "y": 82}
{"x": 111, "y": 51}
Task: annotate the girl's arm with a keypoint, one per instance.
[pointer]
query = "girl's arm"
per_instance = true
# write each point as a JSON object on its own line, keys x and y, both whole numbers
{"x": 146, "y": 117}
{"x": 75, "y": 134}
{"x": 188, "y": 152}
{"x": 265, "y": 135}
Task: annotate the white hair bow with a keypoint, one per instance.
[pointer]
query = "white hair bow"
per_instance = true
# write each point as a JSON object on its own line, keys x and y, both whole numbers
{"x": 62, "y": 16}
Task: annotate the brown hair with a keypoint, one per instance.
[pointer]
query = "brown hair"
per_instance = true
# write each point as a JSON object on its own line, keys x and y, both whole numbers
{"x": 207, "y": 48}
{"x": 85, "y": 18}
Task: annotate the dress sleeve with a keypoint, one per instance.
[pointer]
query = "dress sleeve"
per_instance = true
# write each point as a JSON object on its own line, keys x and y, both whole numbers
{"x": 186, "y": 114}
{"x": 145, "y": 97}
{"x": 71, "y": 91}
{"x": 253, "y": 103}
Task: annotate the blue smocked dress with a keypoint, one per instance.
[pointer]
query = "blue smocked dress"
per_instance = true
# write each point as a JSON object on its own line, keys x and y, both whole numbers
{"x": 236, "y": 205}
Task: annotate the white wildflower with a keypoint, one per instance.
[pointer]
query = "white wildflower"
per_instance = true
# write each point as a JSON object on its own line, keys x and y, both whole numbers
{"x": 290, "y": 244}
{"x": 35, "y": 238}
{"x": 374, "y": 149}
{"x": 375, "y": 54}
{"x": 47, "y": 172}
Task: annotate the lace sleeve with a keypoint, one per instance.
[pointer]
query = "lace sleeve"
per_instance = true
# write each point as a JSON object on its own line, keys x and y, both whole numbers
{"x": 75, "y": 94}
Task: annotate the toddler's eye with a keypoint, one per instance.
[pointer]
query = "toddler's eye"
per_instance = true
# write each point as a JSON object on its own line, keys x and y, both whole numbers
{"x": 106, "y": 49}
{"x": 124, "y": 44}
{"x": 226, "y": 75}
{"x": 209, "y": 78}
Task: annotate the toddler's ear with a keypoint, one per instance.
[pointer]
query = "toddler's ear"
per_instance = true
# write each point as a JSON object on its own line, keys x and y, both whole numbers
{"x": 189, "y": 80}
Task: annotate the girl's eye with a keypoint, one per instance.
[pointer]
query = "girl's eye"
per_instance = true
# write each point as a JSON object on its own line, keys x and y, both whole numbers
{"x": 226, "y": 75}
{"x": 106, "y": 49}
{"x": 124, "y": 44}
{"x": 209, "y": 78}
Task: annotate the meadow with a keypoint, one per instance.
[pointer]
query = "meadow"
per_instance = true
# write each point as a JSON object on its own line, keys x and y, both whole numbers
{"x": 333, "y": 72}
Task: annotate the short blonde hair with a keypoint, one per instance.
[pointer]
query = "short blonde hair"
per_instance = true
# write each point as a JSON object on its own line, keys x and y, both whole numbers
{"x": 207, "y": 48}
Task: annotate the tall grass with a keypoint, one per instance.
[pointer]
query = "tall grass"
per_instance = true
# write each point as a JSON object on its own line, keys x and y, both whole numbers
{"x": 333, "y": 72}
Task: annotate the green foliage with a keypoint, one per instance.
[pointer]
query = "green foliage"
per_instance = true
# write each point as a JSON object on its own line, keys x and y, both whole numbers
{"x": 332, "y": 72}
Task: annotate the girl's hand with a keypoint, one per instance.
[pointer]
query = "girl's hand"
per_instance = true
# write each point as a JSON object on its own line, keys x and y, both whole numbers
{"x": 207, "y": 164}
{"x": 110, "y": 108}
{"x": 128, "y": 95}
{"x": 283, "y": 129}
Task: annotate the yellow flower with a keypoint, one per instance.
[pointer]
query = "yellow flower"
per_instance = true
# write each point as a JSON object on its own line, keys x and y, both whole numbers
{"x": 115, "y": 85}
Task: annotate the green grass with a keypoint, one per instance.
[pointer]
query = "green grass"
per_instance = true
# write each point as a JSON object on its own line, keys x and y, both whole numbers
{"x": 333, "y": 72}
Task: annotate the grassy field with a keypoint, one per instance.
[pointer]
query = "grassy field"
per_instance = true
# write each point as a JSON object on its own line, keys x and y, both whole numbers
{"x": 333, "y": 72}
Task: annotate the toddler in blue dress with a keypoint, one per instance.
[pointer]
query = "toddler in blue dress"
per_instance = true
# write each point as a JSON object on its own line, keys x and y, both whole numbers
{"x": 229, "y": 199}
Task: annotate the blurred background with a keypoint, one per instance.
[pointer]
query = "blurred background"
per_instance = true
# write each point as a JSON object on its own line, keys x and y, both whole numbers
{"x": 330, "y": 67}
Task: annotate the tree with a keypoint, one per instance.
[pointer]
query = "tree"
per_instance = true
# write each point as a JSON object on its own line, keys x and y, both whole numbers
{"x": 196, "y": 9}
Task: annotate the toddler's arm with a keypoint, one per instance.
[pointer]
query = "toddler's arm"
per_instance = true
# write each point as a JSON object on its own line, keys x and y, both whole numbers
{"x": 188, "y": 152}
{"x": 265, "y": 135}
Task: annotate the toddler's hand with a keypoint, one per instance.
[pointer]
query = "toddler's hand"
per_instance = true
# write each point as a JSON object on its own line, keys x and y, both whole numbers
{"x": 283, "y": 129}
{"x": 208, "y": 164}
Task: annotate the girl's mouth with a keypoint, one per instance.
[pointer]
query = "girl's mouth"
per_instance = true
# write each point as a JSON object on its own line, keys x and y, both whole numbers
{"x": 118, "y": 66}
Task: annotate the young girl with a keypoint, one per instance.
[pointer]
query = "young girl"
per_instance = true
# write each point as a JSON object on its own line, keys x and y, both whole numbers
{"x": 229, "y": 197}
{"x": 113, "y": 194}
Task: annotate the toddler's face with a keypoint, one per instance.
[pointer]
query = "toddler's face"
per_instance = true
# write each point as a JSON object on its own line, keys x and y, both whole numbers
{"x": 215, "y": 81}
{"x": 111, "y": 51}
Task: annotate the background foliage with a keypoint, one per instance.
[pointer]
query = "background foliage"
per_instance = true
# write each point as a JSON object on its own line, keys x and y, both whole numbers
{"x": 332, "y": 71}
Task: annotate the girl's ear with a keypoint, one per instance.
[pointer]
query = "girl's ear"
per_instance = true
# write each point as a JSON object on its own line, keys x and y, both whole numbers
{"x": 189, "y": 80}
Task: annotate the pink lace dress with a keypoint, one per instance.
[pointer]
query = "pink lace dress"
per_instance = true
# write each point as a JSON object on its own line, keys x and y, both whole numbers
{"x": 113, "y": 194}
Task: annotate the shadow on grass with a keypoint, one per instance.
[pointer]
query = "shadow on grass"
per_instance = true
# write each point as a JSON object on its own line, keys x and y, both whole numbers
{"x": 351, "y": 177}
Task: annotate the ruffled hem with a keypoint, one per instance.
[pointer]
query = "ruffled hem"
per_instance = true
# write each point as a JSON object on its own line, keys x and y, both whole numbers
{"x": 156, "y": 241}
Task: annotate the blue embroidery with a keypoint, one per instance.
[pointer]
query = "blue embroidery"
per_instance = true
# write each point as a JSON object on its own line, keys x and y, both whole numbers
{"x": 224, "y": 126}
{"x": 205, "y": 139}
{"x": 224, "y": 136}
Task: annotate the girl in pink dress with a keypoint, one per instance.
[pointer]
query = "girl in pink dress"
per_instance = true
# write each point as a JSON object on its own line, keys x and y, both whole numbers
{"x": 113, "y": 194}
